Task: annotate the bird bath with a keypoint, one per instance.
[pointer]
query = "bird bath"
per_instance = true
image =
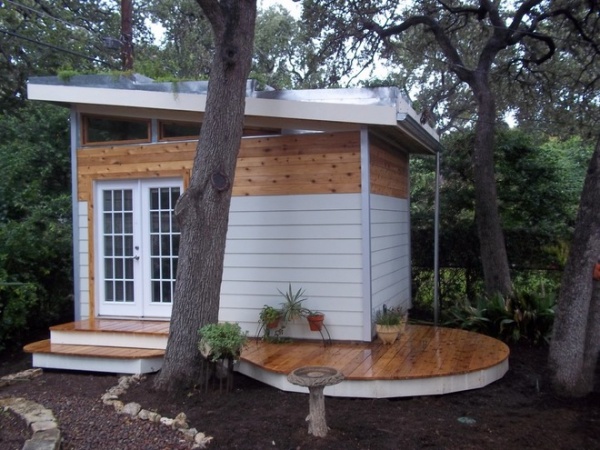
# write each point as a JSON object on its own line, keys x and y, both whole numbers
{"x": 315, "y": 378}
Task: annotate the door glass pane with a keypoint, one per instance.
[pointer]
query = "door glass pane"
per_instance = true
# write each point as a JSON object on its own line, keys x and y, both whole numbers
{"x": 164, "y": 243}
{"x": 117, "y": 234}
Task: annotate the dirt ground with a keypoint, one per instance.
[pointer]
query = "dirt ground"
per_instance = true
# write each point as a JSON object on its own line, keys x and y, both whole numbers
{"x": 518, "y": 411}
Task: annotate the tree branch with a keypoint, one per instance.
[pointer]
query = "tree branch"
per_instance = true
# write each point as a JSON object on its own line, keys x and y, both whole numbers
{"x": 442, "y": 39}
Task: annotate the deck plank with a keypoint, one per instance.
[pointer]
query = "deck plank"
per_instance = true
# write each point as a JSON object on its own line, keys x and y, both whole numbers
{"x": 149, "y": 327}
{"x": 420, "y": 352}
{"x": 47, "y": 347}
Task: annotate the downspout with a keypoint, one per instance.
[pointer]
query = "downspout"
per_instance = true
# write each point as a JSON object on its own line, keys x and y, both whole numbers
{"x": 75, "y": 215}
{"x": 436, "y": 243}
{"x": 365, "y": 180}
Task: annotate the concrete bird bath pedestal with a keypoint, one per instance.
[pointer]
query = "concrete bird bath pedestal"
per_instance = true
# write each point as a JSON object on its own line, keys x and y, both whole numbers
{"x": 315, "y": 378}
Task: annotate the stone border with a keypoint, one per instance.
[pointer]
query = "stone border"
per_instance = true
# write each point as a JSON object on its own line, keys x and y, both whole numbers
{"x": 43, "y": 424}
{"x": 179, "y": 423}
{"x": 46, "y": 434}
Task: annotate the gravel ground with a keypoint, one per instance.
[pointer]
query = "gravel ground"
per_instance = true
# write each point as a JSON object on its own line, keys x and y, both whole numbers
{"x": 85, "y": 423}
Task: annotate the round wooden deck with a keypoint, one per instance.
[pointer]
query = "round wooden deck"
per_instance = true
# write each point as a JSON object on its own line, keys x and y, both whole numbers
{"x": 424, "y": 361}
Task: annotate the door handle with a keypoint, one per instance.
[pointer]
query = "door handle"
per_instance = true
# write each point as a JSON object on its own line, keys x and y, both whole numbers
{"x": 136, "y": 257}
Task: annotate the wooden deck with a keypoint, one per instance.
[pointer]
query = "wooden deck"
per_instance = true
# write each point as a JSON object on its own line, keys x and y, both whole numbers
{"x": 151, "y": 327}
{"x": 424, "y": 361}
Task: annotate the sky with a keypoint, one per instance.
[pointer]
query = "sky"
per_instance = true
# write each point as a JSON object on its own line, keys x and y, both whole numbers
{"x": 295, "y": 8}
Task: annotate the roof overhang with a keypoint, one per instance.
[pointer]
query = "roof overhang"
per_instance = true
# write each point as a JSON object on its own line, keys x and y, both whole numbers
{"x": 383, "y": 110}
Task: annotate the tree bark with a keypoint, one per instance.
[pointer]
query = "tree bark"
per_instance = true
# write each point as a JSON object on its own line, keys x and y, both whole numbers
{"x": 203, "y": 209}
{"x": 494, "y": 258}
{"x": 576, "y": 335}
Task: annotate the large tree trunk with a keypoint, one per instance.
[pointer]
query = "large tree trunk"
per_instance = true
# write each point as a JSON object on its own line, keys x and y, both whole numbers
{"x": 203, "y": 210}
{"x": 576, "y": 335}
{"x": 491, "y": 237}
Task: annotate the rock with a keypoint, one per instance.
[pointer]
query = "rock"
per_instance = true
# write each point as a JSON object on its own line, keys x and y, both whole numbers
{"x": 201, "y": 440}
{"x": 39, "y": 415}
{"x": 124, "y": 382}
{"x": 189, "y": 434}
{"x": 43, "y": 426}
{"x": 131, "y": 408}
{"x": 25, "y": 375}
{"x": 180, "y": 421}
{"x": 118, "y": 405}
{"x": 143, "y": 414}
{"x": 166, "y": 421}
{"x": 154, "y": 417}
{"x": 46, "y": 435}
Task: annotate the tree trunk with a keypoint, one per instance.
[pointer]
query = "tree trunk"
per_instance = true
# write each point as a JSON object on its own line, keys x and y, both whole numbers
{"x": 576, "y": 335}
{"x": 494, "y": 259}
{"x": 203, "y": 210}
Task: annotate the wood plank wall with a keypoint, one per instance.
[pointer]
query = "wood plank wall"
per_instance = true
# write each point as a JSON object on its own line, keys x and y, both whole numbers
{"x": 389, "y": 171}
{"x": 278, "y": 165}
{"x": 322, "y": 163}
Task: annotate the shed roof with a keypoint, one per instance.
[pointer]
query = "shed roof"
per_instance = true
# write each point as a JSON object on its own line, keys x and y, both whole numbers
{"x": 386, "y": 112}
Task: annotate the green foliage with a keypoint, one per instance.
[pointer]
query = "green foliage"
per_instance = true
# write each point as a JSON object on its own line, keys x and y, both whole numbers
{"x": 18, "y": 304}
{"x": 389, "y": 316}
{"x": 35, "y": 215}
{"x": 40, "y": 38}
{"x": 538, "y": 191}
{"x": 525, "y": 316}
{"x": 269, "y": 314}
{"x": 292, "y": 308}
{"x": 221, "y": 340}
{"x": 268, "y": 317}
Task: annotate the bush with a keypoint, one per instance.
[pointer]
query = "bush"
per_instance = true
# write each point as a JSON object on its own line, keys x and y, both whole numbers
{"x": 525, "y": 316}
{"x": 17, "y": 303}
{"x": 221, "y": 340}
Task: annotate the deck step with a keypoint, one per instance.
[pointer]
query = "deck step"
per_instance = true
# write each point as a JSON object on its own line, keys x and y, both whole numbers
{"x": 50, "y": 355}
{"x": 140, "y": 334}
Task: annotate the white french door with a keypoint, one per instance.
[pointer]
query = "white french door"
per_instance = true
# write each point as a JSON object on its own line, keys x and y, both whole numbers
{"x": 137, "y": 243}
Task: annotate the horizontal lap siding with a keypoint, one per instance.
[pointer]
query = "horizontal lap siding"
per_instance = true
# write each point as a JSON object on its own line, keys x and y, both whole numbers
{"x": 390, "y": 222}
{"x": 390, "y": 252}
{"x": 311, "y": 241}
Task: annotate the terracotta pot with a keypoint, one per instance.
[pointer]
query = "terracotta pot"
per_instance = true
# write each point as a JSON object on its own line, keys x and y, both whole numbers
{"x": 597, "y": 272}
{"x": 315, "y": 321}
{"x": 273, "y": 324}
{"x": 387, "y": 333}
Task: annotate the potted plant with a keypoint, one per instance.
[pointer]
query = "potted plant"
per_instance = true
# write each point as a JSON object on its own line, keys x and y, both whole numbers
{"x": 292, "y": 308}
{"x": 269, "y": 320}
{"x": 269, "y": 317}
{"x": 315, "y": 320}
{"x": 221, "y": 341}
{"x": 221, "y": 344}
{"x": 389, "y": 322}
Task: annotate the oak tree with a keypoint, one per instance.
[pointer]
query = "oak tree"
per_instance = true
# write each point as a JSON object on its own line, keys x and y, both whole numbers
{"x": 203, "y": 209}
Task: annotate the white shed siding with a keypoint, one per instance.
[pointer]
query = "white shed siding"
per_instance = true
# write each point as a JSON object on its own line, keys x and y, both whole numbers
{"x": 83, "y": 271}
{"x": 310, "y": 241}
{"x": 390, "y": 252}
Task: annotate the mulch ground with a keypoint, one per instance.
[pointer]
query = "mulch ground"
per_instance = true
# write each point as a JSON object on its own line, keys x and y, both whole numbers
{"x": 518, "y": 411}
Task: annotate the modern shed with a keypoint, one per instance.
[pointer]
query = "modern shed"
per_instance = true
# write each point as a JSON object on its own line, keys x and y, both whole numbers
{"x": 320, "y": 199}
